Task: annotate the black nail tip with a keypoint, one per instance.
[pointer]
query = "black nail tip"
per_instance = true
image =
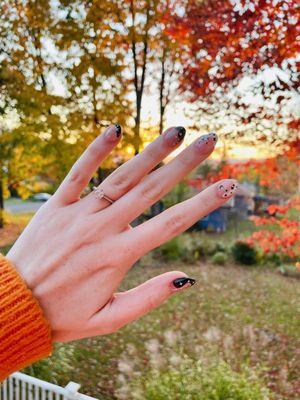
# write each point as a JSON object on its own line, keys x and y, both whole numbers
{"x": 181, "y": 132}
{"x": 118, "y": 130}
{"x": 180, "y": 282}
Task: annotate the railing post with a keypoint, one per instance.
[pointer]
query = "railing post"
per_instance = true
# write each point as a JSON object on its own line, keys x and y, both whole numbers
{"x": 72, "y": 388}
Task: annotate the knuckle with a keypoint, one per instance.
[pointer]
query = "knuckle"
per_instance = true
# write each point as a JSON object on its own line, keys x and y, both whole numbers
{"x": 153, "y": 151}
{"x": 76, "y": 177}
{"x": 151, "y": 192}
{"x": 122, "y": 182}
{"x": 175, "y": 224}
{"x": 185, "y": 160}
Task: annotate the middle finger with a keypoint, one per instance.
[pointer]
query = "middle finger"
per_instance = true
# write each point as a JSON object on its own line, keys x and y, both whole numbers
{"x": 161, "y": 181}
{"x": 129, "y": 174}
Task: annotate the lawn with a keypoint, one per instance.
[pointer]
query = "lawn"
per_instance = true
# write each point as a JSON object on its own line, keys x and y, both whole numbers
{"x": 245, "y": 317}
{"x": 236, "y": 332}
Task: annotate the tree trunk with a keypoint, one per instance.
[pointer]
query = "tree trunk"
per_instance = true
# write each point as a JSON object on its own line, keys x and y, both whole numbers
{"x": 161, "y": 93}
{"x": 137, "y": 128}
{"x": 139, "y": 82}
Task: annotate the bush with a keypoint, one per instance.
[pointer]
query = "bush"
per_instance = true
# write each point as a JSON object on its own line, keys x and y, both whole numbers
{"x": 220, "y": 258}
{"x": 192, "y": 380}
{"x": 244, "y": 253}
{"x": 172, "y": 250}
{"x": 272, "y": 260}
{"x": 220, "y": 247}
{"x": 189, "y": 247}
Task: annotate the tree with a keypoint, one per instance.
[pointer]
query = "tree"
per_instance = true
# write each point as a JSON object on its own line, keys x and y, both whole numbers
{"x": 277, "y": 175}
{"x": 222, "y": 43}
{"x": 45, "y": 46}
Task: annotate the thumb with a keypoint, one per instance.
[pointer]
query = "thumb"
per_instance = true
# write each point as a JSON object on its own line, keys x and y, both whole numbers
{"x": 128, "y": 306}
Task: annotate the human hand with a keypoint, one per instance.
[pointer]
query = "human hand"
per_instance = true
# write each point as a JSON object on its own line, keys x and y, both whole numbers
{"x": 75, "y": 251}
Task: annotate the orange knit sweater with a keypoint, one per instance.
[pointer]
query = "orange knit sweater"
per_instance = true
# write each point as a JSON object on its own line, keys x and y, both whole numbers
{"x": 25, "y": 334}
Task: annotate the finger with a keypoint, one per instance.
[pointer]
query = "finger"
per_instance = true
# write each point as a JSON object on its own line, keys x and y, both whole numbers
{"x": 130, "y": 173}
{"x": 178, "y": 218}
{"x": 128, "y": 306}
{"x": 161, "y": 181}
{"x": 84, "y": 168}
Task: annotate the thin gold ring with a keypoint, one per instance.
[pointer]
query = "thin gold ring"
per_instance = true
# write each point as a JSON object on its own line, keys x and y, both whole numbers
{"x": 99, "y": 194}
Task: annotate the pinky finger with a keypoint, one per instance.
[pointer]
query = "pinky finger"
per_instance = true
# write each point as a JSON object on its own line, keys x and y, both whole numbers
{"x": 178, "y": 218}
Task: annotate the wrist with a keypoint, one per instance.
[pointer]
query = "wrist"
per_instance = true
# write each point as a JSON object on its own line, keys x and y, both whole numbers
{"x": 25, "y": 334}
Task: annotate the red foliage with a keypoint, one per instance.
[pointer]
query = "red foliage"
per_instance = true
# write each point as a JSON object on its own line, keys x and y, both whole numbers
{"x": 268, "y": 171}
{"x": 224, "y": 39}
{"x": 284, "y": 237}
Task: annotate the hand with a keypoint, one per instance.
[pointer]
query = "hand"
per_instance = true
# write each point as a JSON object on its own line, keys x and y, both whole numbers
{"x": 75, "y": 252}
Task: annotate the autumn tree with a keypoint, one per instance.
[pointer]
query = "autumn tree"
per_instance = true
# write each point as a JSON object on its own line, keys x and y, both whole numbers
{"x": 60, "y": 75}
{"x": 226, "y": 45}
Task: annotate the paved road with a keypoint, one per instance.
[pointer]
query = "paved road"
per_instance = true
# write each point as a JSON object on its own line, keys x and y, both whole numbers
{"x": 22, "y": 206}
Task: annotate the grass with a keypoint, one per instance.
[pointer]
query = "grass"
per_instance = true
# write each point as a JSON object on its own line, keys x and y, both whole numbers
{"x": 244, "y": 317}
{"x": 247, "y": 318}
{"x": 236, "y": 230}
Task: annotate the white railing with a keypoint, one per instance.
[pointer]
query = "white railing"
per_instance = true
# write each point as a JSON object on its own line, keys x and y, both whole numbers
{"x": 19, "y": 386}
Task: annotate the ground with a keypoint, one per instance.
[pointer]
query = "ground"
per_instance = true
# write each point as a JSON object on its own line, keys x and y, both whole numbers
{"x": 245, "y": 316}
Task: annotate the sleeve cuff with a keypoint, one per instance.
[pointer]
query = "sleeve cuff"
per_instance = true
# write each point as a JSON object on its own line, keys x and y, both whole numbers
{"x": 25, "y": 334}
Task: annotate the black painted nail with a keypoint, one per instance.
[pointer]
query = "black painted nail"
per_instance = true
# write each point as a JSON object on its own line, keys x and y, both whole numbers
{"x": 118, "y": 130}
{"x": 180, "y": 282}
{"x": 180, "y": 133}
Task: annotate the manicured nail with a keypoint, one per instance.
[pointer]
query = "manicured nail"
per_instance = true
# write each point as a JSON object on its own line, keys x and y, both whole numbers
{"x": 227, "y": 188}
{"x": 118, "y": 130}
{"x": 207, "y": 142}
{"x": 113, "y": 132}
{"x": 180, "y": 133}
{"x": 183, "y": 282}
{"x": 175, "y": 135}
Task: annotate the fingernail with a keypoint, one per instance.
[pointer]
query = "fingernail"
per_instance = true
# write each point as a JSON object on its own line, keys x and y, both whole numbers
{"x": 175, "y": 135}
{"x": 227, "y": 188}
{"x": 183, "y": 282}
{"x": 180, "y": 133}
{"x": 113, "y": 132}
{"x": 118, "y": 130}
{"x": 207, "y": 142}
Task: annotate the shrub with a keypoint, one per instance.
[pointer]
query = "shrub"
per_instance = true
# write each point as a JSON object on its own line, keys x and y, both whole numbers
{"x": 278, "y": 236}
{"x": 192, "y": 380}
{"x": 187, "y": 248}
{"x": 273, "y": 260}
{"x": 243, "y": 253}
{"x": 220, "y": 258}
{"x": 220, "y": 247}
{"x": 172, "y": 250}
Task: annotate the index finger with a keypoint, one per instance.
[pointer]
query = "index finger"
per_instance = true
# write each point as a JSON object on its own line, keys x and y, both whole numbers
{"x": 82, "y": 171}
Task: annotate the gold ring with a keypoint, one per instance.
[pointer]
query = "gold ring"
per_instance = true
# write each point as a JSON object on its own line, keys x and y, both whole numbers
{"x": 99, "y": 194}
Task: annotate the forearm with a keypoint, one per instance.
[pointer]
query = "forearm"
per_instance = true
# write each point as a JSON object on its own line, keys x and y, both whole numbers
{"x": 25, "y": 335}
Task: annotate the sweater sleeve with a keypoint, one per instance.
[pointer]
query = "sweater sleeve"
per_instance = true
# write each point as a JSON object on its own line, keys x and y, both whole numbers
{"x": 25, "y": 334}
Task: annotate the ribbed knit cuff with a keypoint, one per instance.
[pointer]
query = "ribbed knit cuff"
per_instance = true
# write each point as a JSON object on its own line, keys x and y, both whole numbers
{"x": 25, "y": 334}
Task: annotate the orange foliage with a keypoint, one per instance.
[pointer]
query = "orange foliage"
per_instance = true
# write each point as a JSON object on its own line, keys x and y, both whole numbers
{"x": 282, "y": 234}
{"x": 233, "y": 37}
{"x": 268, "y": 171}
